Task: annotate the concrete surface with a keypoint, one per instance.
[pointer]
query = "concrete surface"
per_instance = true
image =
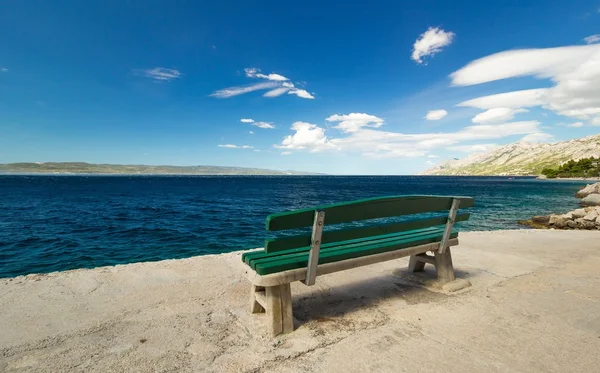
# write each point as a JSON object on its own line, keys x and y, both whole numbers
{"x": 534, "y": 307}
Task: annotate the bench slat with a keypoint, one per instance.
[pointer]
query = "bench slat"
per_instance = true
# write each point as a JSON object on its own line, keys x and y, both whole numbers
{"x": 370, "y": 208}
{"x": 381, "y": 240}
{"x": 294, "y": 261}
{"x": 285, "y": 243}
{"x": 262, "y": 254}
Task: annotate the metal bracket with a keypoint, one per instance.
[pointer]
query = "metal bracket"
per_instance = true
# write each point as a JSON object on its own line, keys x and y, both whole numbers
{"x": 449, "y": 225}
{"x": 315, "y": 248}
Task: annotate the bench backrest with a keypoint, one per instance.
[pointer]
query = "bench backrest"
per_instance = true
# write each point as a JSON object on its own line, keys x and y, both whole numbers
{"x": 364, "y": 209}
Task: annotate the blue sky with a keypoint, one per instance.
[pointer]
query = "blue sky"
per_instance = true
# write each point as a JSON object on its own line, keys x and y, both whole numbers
{"x": 379, "y": 87}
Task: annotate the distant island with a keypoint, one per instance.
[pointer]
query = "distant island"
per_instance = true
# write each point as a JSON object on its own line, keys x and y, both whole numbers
{"x": 117, "y": 169}
{"x": 520, "y": 159}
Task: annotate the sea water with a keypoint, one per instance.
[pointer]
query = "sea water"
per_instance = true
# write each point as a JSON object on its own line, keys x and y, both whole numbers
{"x": 54, "y": 223}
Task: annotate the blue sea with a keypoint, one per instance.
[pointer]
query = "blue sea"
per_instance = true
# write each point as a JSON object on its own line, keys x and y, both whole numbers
{"x": 55, "y": 223}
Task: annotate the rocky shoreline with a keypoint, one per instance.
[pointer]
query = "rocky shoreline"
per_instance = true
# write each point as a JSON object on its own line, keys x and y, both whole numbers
{"x": 587, "y": 217}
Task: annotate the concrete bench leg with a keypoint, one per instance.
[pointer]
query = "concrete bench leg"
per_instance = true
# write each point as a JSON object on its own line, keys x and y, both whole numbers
{"x": 255, "y": 306}
{"x": 279, "y": 309}
{"x": 415, "y": 265}
{"x": 443, "y": 266}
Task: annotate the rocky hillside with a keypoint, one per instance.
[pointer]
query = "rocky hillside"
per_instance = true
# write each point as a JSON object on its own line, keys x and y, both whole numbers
{"x": 520, "y": 158}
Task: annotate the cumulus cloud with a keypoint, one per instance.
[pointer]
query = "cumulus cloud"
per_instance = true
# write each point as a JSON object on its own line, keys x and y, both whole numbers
{"x": 592, "y": 39}
{"x": 232, "y": 146}
{"x": 308, "y": 136}
{"x": 160, "y": 73}
{"x": 361, "y": 133}
{"x": 501, "y": 114}
{"x": 574, "y": 71}
{"x": 355, "y": 121}
{"x": 431, "y": 42}
{"x": 276, "y": 85}
{"x": 436, "y": 114}
{"x": 247, "y": 120}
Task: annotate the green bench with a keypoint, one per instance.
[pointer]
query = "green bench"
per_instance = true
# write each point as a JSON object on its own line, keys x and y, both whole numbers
{"x": 304, "y": 257}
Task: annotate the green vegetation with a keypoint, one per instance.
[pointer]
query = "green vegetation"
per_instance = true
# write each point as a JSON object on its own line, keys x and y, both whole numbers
{"x": 88, "y": 168}
{"x": 585, "y": 167}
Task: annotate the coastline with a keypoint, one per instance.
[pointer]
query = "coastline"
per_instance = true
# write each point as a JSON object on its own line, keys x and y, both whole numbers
{"x": 191, "y": 314}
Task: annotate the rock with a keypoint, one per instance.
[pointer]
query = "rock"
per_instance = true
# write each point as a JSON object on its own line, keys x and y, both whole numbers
{"x": 591, "y": 216}
{"x": 542, "y": 219}
{"x": 579, "y": 213}
{"x": 584, "y": 224}
{"x": 568, "y": 215}
{"x": 589, "y": 189}
{"x": 591, "y": 200}
{"x": 558, "y": 221}
{"x": 572, "y": 224}
{"x": 598, "y": 221}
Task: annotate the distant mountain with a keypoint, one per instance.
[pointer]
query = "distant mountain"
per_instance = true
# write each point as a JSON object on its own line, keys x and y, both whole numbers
{"x": 89, "y": 168}
{"x": 520, "y": 158}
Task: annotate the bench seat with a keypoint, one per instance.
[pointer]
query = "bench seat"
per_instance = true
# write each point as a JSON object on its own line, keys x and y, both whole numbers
{"x": 265, "y": 263}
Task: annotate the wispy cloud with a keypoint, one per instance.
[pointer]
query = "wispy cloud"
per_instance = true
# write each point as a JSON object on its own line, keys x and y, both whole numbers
{"x": 160, "y": 73}
{"x": 236, "y": 91}
{"x": 431, "y": 42}
{"x": 592, "y": 39}
{"x": 573, "y": 70}
{"x": 252, "y": 122}
{"x": 277, "y": 85}
{"x": 3, "y": 70}
{"x": 232, "y": 146}
{"x": 495, "y": 115}
{"x": 436, "y": 114}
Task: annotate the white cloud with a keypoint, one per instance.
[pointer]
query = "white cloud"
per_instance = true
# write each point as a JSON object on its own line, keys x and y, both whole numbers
{"x": 432, "y": 156}
{"x": 430, "y": 163}
{"x": 538, "y": 137}
{"x": 252, "y": 72}
{"x": 251, "y": 132}
{"x": 500, "y": 114}
{"x": 575, "y": 125}
{"x": 436, "y": 114}
{"x": 286, "y": 153}
{"x": 235, "y": 91}
{"x": 431, "y": 42}
{"x": 355, "y": 121}
{"x": 252, "y": 122}
{"x": 574, "y": 71}
{"x": 160, "y": 73}
{"x": 592, "y": 39}
{"x": 232, "y": 146}
{"x": 276, "y": 85}
{"x": 360, "y": 134}
{"x": 308, "y": 136}
{"x": 301, "y": 93}
{"x": 276, "y": 92}
{"x": 3, "y": 70}
{"x": 265, "y": 125}
{"x": 478, "y": 148}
